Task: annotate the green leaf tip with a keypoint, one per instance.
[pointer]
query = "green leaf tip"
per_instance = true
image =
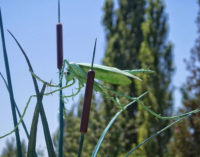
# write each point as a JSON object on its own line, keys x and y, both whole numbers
{"x": 58, "y": 11}
{"x": 94, "y": 51}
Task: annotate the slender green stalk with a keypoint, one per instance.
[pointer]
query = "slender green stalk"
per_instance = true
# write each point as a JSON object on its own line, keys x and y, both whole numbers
{"x": 81, "y": 144}
{"x": 12, "y": 100}
{"x": 61, "y": 121}
{"x": 167, "y": 117}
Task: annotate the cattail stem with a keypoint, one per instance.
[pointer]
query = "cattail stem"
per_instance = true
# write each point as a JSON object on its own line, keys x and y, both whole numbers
{"x": 61, "y": 120}
{"x": 87, "y": 101}
{"x": 81, "y": 144}
{"x": 59, "y": 66}
{"x": 59, "y": 45}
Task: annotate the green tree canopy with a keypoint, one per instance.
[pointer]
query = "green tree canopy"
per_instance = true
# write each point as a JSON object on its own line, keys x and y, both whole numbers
{"x": 186, "y": 139}
{"x": 136, "y": 34}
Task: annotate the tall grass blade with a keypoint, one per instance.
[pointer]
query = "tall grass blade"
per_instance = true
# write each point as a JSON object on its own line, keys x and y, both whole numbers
{"x": 18, "y": 112}
{"x": 33, "y": 133}
{"x": 94, "y": 154}
{"x": 11, "y": 94}
{"x": 39, "y": 106}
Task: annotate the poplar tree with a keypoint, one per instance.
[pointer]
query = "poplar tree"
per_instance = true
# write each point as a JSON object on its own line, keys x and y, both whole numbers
{"x": 155, "y": 54}
{"x": 122, "y": 22}
{"x": 186, "y": 137}
{"x": 136, "y": 34}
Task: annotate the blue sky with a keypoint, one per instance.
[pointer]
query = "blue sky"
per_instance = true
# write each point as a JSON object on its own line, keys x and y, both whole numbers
{"x": 33, "y": 22}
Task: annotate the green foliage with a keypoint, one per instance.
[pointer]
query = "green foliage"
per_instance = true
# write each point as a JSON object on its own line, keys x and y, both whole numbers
{"x": 181, "y": 144}
{"x": 124, "y": 36}
{"x": 156, "y": 54}
{"x": 136, "y": 38}
{"x": 10, "y": 150}
{"x": 186, "y": 139}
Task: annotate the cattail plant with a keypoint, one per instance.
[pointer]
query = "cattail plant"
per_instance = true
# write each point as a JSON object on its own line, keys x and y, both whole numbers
{"x": 59, "y": 45}
{"x": 87, "y": 102}
{"x": 59, "y": 66}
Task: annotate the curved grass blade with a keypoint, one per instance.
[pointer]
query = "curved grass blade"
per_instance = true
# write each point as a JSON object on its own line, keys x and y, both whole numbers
{"x": 18, "y": 112}
{"x": 11, "y": 94}
{"x": 94, "y": 154}
{"x": 39, "y": 106}
{"x": 21, "y": 118}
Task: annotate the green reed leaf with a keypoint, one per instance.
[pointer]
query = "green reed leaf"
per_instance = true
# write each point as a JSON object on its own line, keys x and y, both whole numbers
{"x": 11, "y": 94}
{"x": 39, "y": 106}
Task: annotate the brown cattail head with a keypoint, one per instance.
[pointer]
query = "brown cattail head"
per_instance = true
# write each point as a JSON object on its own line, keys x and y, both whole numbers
{"x": 59, "y": 45}
{"x": 87, "y": 101}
